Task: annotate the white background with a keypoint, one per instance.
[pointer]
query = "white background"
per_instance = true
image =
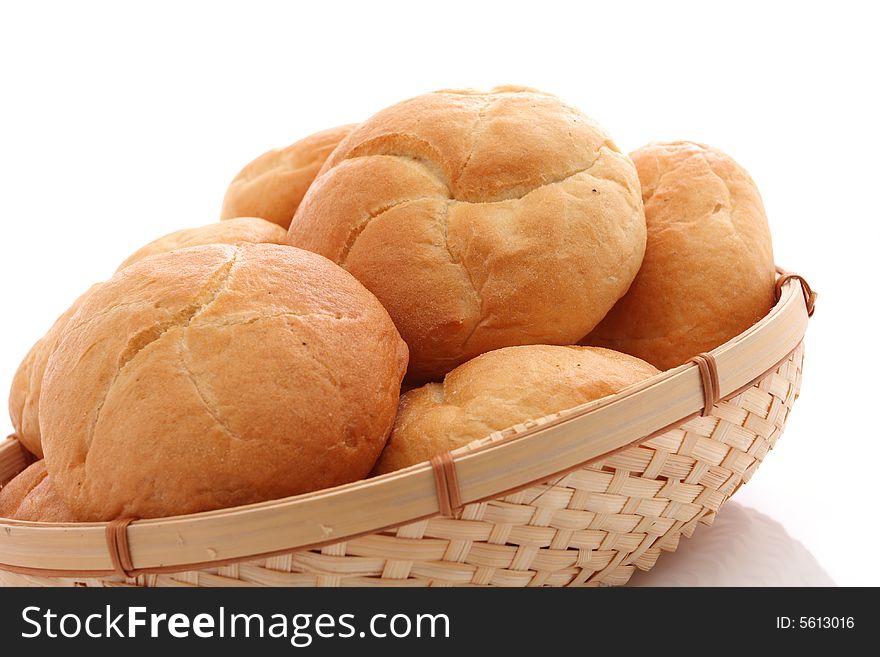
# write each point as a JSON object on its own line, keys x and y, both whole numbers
{"x": 120, "y": 124}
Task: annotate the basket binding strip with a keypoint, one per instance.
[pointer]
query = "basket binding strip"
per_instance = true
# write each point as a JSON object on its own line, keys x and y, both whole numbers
{"x": 591, "y": 526}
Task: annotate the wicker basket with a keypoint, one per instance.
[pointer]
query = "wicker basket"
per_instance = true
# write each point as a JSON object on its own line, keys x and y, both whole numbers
{"x": 582, "y": 497}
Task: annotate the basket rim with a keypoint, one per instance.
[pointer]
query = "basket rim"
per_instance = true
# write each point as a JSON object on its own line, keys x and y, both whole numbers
{"x": 499, "y": 464}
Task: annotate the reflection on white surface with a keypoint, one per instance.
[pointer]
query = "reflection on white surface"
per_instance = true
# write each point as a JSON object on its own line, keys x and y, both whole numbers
{"x": 743, "y": 547}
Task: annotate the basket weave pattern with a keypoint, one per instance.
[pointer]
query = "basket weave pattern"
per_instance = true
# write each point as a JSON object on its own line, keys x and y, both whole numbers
{"x": 592, "y": 526}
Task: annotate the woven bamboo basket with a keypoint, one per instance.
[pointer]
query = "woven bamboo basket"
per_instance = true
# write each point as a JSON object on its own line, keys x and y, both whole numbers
{"x": 582, "y": 497}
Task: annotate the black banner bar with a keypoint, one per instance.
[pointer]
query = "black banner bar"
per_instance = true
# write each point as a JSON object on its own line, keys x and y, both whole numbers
{"x": 433, "y": 621}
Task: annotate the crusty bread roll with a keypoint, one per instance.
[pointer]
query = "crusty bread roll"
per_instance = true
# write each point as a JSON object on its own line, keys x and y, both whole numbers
{"x": 24, "y": 395}
{"x": 273, "y": 185}
{"x": 31, "y": 496}
{"x": 215, "y": 376}
{"x": 500, "y": 389}
{"x": 480, "y": 220}
{"x": 708, "y": 272}
{"x": 239, "y": 230}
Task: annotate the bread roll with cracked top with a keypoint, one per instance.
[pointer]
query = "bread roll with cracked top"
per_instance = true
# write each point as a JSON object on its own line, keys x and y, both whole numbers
{"x": 31, "y": 496}
{"x": 499, "y": 390}
{"x": 239, "y": 230}
{"x": 708, "y": 272}
{"x": 480, "y": 220}
{"x": 24, "y": 394}
{"x": 273, "y": 185}
{"x": 216, "y": 376}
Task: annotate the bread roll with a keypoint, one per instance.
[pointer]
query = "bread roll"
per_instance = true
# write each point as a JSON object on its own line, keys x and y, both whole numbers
{"x": 498, "y": 390}
{"x": 708, "y": 272}
{"x": 31, "y": 496}
{"x": 239, "y": 230}
{"x": 273, "y": 185}
{"x": 480, "y": 220}
{"x": 215, "y": 376}
{"x": 24, "y": 395}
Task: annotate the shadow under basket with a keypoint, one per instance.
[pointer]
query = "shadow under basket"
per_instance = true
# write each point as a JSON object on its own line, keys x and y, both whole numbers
{"x": 582, "y": 497}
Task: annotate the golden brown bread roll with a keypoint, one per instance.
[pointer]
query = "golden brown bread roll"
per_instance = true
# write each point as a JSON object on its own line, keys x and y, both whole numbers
{"x": 273, "y": 185}
{"x": 215, "y": 376}
{"x": 500, "y": 389}
{"x": 31, "y": 496}
{"x": 24, "y": 395}
{"x": 708, "y": 272}
{"x": 239, "y": 230}
{"x": 480, "y": 220}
